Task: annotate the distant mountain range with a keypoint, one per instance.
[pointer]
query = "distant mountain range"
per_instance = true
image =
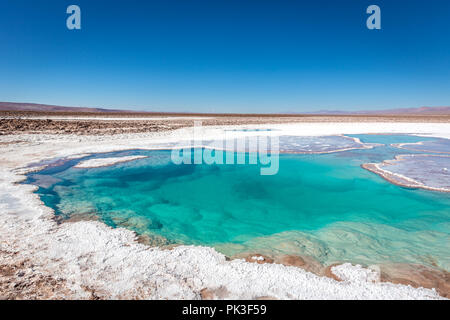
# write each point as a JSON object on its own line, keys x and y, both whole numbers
{"x": 402, "y": 111}
{"x": 13, "y": 106}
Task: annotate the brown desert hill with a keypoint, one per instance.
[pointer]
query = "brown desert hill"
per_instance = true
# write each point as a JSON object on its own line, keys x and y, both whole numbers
{"x": 35, "y": 107}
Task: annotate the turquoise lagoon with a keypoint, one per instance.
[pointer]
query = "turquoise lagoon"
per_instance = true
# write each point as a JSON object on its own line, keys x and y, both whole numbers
{"x": 325, "y": 205}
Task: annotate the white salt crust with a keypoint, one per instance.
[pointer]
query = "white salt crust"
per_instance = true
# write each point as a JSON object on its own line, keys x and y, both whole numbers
{"x": 91, "y": 256}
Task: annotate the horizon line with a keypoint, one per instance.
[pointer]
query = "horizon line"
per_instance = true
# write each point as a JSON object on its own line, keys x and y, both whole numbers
{"x": 22, "y": 106}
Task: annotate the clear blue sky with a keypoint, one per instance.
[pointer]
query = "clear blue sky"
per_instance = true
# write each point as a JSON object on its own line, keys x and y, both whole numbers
{"x": 226, "y": 55}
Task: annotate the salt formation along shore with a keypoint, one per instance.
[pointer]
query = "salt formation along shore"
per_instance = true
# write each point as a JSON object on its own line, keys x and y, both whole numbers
{"x": 104, "y": 162}
{"x": 87, "y": 259}
{"x": 439, "y": 146}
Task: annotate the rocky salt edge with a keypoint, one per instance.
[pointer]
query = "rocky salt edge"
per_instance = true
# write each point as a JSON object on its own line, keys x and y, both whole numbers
{"x": 92, "y": 260}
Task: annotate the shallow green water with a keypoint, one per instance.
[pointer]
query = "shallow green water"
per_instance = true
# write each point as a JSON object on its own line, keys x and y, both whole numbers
{"x": 325, "y": 206}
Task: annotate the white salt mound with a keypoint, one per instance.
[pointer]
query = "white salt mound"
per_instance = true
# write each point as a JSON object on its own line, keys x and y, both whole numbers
{"x": 103, "y": 162}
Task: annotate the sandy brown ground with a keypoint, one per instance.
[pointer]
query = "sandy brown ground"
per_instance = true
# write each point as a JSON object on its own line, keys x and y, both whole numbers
{"x": 26, "y": 122}
{"x": 20, "y": 279}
